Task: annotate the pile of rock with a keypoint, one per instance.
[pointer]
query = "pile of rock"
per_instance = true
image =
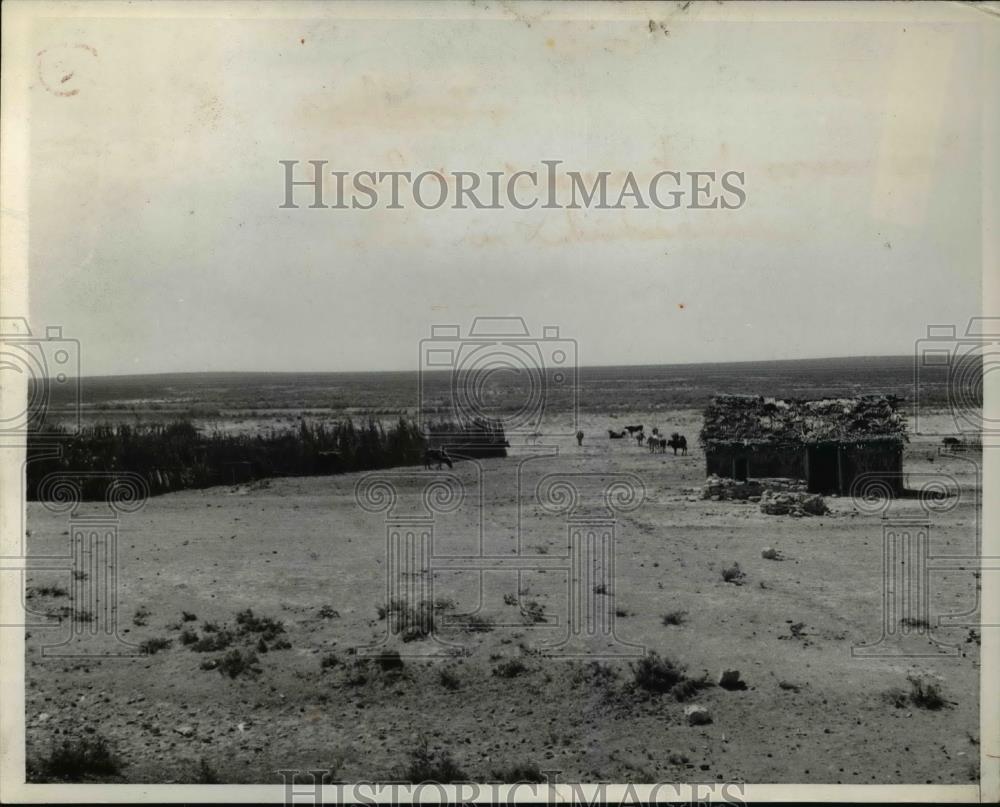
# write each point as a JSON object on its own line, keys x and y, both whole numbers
{"x": 718, "y": 488}
{"x": 797, "y": 503}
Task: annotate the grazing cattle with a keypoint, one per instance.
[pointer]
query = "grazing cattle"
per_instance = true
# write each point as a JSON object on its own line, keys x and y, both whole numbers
{"x": 432, "y": 455}
{"x": 633, "y": 429}
{"x": 652, "y": 443}
{"x": 579, "y": 438}
{"x": 678, "y": 441}
{"x": 613, "y": 435}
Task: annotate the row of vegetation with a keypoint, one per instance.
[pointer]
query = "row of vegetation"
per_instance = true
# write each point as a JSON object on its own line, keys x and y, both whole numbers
{"x": 177, "y": 456}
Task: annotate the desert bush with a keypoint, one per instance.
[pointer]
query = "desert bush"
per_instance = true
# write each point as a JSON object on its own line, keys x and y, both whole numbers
{"x": 83, "y": 616}
{"x": 206, "y": 774}
{"x": 896, "y": 696}
{"x": 519, "y": 772}
{"x": 426, "y": 766}
{"x": 533, "y": 612}
{"x": 622, "y": 613}
{"x": 601, "y": 588}
{"x": 236, "y": 663}
{"x": 209, "y": 627}
{"x": 188, "y": 637}
{"x": 689, "y": 687}
{"x": 328, "y": 612}
{"x": 675, "y": 618}
{"x": 267, "y": 627}
{"x": 733, "y": 574}
{"x": 75, "y": 760}
{"x": 510, "y": 599}
{"x": 510, "y": 668}
{"x": 188, "y": 617}
{"x": 153, "y": 646}
{"x": 141, "y": 616}
{"x": 925, "y": 694}
{"x": 281, "y": 644}
{"x": 50, "y": 591}
{"x": 449, "y": 679}
{"x": 474, "y": 623}
{"x": 329, "y": 661}
{"x": 213, "y": 642}
{"x": 656, "y": 674}
{"x": 390, "y": 660}
{"x": 79, "y": 575}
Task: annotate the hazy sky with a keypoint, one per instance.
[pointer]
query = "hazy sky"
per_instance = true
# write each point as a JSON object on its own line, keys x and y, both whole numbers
{"x": 157, "y": 238}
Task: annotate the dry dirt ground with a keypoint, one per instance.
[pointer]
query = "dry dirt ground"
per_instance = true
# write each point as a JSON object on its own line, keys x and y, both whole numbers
{"x": 286, "y": 548}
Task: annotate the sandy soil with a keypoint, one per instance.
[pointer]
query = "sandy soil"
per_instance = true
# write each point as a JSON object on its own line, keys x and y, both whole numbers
{"x": 286, "y": 548}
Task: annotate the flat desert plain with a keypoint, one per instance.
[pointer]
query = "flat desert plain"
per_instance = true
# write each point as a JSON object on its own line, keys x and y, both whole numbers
{"x": 500, "y": 693}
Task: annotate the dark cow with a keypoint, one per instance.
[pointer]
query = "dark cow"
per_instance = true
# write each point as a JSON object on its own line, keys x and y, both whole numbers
{"x": 678, "y": 441}
{"x": 432, "y": 455}
{"x": 633, "y": 429}
{"x": 613, "y": 435}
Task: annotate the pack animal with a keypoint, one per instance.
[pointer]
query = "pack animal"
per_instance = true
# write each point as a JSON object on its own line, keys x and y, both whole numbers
{"x": 438, "y": 455}
{"x": 678, "y": 442}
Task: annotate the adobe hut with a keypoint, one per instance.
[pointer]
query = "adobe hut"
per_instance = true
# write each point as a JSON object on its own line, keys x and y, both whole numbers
{"x": 829, "y": 443}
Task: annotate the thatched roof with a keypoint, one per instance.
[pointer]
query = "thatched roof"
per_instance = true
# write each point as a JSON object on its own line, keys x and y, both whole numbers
{"x": 755, "y": 419}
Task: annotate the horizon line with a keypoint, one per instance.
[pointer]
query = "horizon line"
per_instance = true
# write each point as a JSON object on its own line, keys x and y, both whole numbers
{"x": 445, "y": 370}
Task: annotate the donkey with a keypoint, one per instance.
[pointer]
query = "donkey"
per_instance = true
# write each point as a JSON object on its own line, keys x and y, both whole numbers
{"x": 633, "y": 429}
{"x": 678, "y": 441}
{"x": 432, "y": 455}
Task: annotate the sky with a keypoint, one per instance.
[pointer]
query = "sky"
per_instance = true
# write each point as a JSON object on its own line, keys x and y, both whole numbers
{"x": 157, "y": 238}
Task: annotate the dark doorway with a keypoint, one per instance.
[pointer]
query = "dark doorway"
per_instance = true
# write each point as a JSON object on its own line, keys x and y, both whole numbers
{"x": 741, "y": 469}
{"x": 823, "y": 471}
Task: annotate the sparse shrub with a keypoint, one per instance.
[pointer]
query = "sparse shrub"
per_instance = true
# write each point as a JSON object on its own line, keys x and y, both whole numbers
{"x": 426, "y": 766}
{"x": 689, "y": 687}
{"x": 656, "y": 674}
{"x": 209, "y": 664}
{"x": 896, "y": 696}
{"x": 675, "y": 618}
{"x": 475, "y": 623}
{"x": 390, "y": 661}
{"x": 209, "y": 627}
{"x": 173, "y": 626}
{"x": 449, "y": 679}
{"x": 329, "y": 661}
{"x": 141, "y": 616}
{"x": 510, "y": 599}
{"x": 510, "y": 668}
{"x": 734, "y": 574}
{"x": 266, "y": 626}
{"x": 261, "y": 645}
{"x": 328, "y": 612}
{"x": 51, "y": 591}
{"x": 622, "y": 613}
{"x": 83, "y": 616}
{"x": 281, "y": 644}
{"x": 153, "y": 646}
{"x": 444, "y": 604}
{"x": 601, "y": 588}
{"x": 236, "y": 663}
{"x": 206, "y": 774}
{"x": 188, "y": 637}
{"x": 77, "y": 759}
{"x": 79, "y": 575}
{"x": 188, "y": 617}
{"x": 534, "y": 612}
{"x": 519, "y": 772}
{"x": 213, "y": 642}
{"x": 925, "y": 694}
